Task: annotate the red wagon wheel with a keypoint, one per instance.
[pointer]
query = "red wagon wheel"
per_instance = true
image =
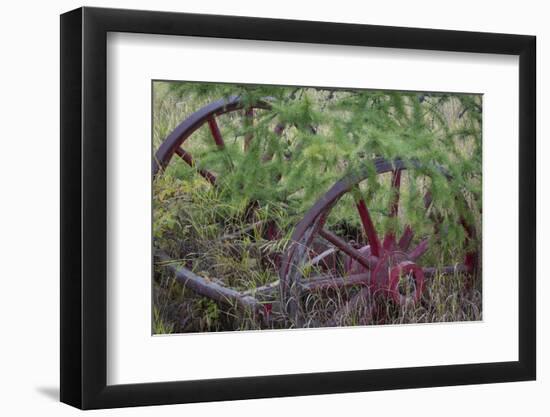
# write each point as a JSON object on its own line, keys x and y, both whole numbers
{"x": 377, "y": 266}
{"x": 207, "y": 115}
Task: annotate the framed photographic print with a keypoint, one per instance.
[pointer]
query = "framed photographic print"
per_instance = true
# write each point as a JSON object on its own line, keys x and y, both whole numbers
{"x": 257, "y": 208}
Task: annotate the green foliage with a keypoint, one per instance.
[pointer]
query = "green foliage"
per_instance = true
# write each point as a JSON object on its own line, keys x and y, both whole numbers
{"x": 331, "y": 133}
{"x": 328, "y": 134}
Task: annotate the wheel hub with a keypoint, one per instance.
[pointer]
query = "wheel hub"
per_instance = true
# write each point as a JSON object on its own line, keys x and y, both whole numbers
{"x": 392, "y": 266}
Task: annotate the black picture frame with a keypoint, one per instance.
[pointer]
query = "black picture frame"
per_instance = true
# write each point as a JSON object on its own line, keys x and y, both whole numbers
{"x": 84, "y": 207}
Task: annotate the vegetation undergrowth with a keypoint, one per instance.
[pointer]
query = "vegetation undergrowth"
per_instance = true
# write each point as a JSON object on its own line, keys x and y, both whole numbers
{"x": 234, "y": 233}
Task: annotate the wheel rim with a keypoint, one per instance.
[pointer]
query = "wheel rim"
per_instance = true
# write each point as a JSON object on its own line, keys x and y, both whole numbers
{"x": 207, "y": 115}
{"x": 381, "y": 262}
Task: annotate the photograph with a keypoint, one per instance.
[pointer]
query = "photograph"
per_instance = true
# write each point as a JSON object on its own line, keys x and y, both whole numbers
{"x": 323, "y": 208}
{"x": 288, "y": 207}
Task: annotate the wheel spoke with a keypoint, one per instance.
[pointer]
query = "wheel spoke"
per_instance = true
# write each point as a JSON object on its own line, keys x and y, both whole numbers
{"x": 389, "y": 241}
{"x": 406, "y": 238}
{"x": 471, "y": 256}
{"x": 216, "y": 134}
{"x": 186, "y": 156}
{"x": 395, "y": 192}
{"x": 248, "y": 122}
{"x": 317, "y": 259}
{"x": 420, "y": 250}
{"x": 335, "y": 282}
{"x": 297, "y": 251}
{"x": 367, "y": 262}
{"x": 436, "y": 219}
{"x": 368, "y": 226}
{"x": 427, "y": 200}
{"x": 279, "y": 128}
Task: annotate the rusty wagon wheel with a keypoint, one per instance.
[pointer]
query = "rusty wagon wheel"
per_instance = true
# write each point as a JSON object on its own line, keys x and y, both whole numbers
{"x": 174, "y": 144}
{"x": 208, "y": 115}
{"x": 378, "y": 266}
